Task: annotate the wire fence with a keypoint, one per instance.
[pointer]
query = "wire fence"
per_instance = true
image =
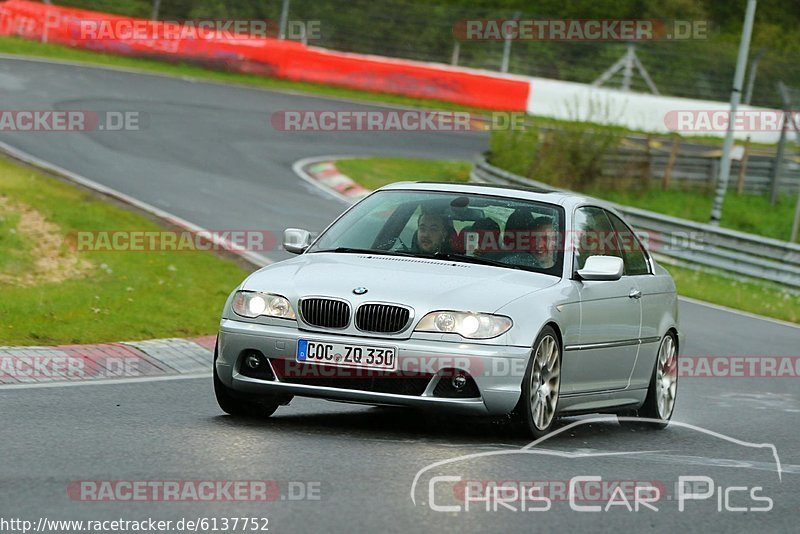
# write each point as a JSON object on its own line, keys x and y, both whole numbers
{"x": 700, "y": 172}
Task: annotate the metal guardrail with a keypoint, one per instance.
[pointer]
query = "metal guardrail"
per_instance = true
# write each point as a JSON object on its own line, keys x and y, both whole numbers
{"x": 686, "y": 242}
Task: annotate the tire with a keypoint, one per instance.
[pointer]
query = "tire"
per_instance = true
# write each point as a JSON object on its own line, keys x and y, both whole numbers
{"x": 536, "y": 411}
{"x": 241, "y": 405}
{"x": 659, "y": 405}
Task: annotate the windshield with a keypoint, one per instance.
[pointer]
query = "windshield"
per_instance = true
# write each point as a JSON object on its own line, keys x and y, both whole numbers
{"x": 510, "y": 233}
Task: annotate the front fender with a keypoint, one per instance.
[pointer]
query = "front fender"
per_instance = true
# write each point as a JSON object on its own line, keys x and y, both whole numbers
{"x": 557, "y": 304}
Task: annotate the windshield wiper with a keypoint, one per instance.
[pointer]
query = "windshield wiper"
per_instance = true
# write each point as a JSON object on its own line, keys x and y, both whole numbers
{"x": 448, "y": 256}
{"x": 474, "y": 259}
{"x": 352, "y": 250}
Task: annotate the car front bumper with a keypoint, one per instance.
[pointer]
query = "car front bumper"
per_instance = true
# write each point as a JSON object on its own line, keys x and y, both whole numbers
{"x": 496, "y": 369}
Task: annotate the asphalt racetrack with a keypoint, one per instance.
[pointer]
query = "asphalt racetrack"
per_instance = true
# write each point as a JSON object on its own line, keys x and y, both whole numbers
{"x": 210, "y": 155}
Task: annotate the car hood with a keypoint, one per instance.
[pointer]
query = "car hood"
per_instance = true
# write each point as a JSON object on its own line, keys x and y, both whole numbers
{"x": 424, "y": 284}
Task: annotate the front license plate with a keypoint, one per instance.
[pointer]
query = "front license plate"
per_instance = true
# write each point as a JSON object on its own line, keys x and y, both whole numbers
{"x": 345, "y": 355}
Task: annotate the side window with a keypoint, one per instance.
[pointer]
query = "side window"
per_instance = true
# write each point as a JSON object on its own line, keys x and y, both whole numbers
{"x": 632, "y": 253}
{"x": 594, "y": 235}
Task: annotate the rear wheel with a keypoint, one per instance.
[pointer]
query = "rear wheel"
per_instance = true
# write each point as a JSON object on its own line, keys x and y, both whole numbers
{"x": 240, "y": 404}
{"x": 538, "y": 404}
{"x": 662, "y": 393}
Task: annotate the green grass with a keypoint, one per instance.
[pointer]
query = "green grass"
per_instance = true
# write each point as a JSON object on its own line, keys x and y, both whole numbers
{"x": 373, "y": 173}
{"x": 757, "y": 297}
{"x": 124, "y": 295}
{"x": 752, "y": 296}
{"x": 14, "y": 253}
{"x": 747, "y": 213}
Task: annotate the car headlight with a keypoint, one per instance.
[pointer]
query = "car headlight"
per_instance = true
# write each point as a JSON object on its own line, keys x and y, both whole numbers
{"x": 466, "y": 324}
{"x": 254, "y": 304}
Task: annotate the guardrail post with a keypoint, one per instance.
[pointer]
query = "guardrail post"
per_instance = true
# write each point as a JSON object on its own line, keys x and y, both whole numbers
{"x": 284, "y": 19}
{"x": 713, "y": 171}
{"x": 778, "y": 165}
{"x": 775, "y": 176}
{"x": 46, "y": 27}
{"x": 743, "y": 167}
{"x": 673, "y": 155}
{"x": 796, "y": 222}
{"x": 647, "y": 164}
{"x": 736, "y": 96}
{"x": 456, "y": 53}
{"x": 507, "y": 47}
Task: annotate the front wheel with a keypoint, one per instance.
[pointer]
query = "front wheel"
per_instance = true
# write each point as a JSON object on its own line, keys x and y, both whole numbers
{"x": 538, "y": 404}
{"x": 238, "y": 404}
{"x": 663, "y": 390}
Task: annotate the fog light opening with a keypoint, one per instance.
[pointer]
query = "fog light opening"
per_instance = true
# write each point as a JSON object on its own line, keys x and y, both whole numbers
{"x": 253, "y": 364}
{"x": 253, "y": 361}
{"x": 459, "y": 381}
{"x": 456, "y": 384}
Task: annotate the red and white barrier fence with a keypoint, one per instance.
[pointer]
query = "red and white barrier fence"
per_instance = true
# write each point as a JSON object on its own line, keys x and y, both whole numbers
{"x": 271, "y": 57}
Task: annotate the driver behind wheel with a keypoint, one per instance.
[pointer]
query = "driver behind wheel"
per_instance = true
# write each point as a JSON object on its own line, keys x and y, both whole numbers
{"x": 434, "y": 229}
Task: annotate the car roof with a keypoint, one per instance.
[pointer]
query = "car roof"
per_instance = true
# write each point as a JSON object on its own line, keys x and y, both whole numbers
{"x": 561, "y": 198}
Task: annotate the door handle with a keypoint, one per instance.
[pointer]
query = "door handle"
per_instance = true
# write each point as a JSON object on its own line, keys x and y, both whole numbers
{"x": 635, "y": 294}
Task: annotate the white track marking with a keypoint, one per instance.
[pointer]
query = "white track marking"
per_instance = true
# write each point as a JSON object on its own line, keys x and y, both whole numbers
{"x": 739, "y": 312}
{"x": 258, "y": 260}
{"x": 104, "y": 382}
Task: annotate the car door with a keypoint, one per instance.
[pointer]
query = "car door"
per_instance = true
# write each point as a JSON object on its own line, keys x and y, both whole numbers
{"x": 610, "y": 312}
{"x": 656, "y": 301}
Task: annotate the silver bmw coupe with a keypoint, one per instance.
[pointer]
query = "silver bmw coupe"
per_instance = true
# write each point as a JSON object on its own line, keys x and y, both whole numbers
{"x": 464, "y": 297}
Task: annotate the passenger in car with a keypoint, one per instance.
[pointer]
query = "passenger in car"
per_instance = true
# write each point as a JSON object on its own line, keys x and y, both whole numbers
{"x": 543, "y": 242}
{"x": 530, "y": 241}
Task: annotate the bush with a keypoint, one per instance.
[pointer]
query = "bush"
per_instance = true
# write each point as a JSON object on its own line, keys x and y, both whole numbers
{"x": 569, "y": 155}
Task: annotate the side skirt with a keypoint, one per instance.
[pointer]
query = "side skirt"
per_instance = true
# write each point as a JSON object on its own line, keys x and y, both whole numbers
{"x": 601, "y": 401}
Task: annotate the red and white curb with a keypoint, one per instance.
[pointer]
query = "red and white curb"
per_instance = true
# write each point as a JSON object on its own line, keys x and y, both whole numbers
{"x": 158, "y": 359}
{"x": 326, "y": 175}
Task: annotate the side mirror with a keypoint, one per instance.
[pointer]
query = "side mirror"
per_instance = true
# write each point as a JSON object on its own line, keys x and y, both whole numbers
{"x": 296, "y": 240}
{"x": 602, "y": 268}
